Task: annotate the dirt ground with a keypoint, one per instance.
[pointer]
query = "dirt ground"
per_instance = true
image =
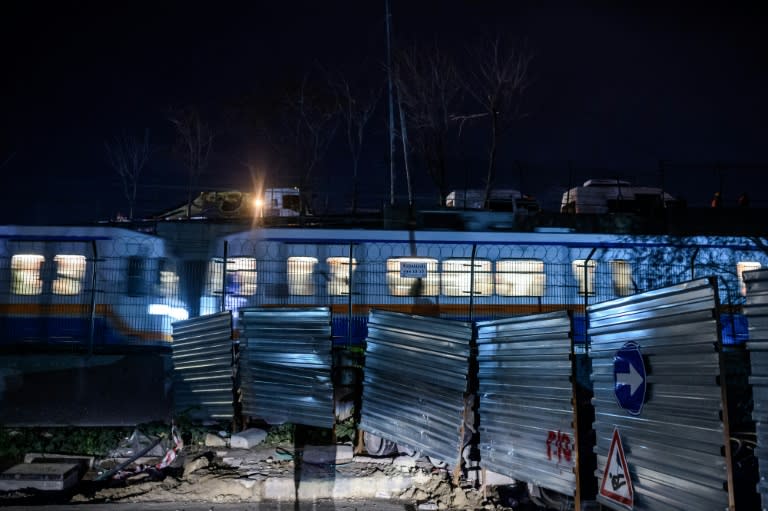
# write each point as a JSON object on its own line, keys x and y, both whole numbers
{"x": 203, "y": 474}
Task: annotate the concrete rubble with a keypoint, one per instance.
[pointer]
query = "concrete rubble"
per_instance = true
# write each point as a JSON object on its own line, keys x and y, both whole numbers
{"x": 224, "y": 474}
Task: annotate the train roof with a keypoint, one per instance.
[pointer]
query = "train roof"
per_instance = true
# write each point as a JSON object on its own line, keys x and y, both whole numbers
{"x": 560, "y": 238}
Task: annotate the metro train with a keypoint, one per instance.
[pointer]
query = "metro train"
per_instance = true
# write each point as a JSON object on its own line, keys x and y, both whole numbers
{"x": 109, "y": 288}
{"x": 92, "y": 288}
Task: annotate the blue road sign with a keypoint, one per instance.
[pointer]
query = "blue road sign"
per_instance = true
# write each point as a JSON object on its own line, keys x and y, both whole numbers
{"x": 629, "y": 378}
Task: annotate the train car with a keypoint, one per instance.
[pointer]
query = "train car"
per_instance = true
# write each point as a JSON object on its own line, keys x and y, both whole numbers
{"x": 86, "y": 288}
{"x": 462, "y": 275}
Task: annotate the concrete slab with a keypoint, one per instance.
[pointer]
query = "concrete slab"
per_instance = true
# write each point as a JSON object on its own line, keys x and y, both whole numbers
{"x": 40, "y": 476}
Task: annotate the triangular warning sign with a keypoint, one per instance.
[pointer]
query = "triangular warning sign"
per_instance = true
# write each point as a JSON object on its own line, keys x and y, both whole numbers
{"x": 617, "y": 483}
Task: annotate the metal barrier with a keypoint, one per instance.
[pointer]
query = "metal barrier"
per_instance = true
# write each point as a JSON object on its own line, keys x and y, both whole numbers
{"x": 285, "y": 364}
{"x": 756, "y": 311}
{"x": 526, "y": 399}
{"x": 415, "y": 382}
{"x": 660, "y": 439}
{"x": 203, "y": 367}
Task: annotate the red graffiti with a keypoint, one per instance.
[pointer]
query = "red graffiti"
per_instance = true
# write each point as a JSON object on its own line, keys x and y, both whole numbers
{"x": 560, "y": 444}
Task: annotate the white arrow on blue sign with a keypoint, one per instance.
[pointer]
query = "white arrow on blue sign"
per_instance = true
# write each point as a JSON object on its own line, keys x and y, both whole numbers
{"x": 629, "y": 382}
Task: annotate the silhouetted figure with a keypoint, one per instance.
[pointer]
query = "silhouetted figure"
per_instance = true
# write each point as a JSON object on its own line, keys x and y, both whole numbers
{"x": 716, "y": 201}
{"x": 743, "y": 200}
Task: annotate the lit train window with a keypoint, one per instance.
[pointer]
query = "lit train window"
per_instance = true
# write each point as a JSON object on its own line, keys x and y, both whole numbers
{"x": 520, "y": 277}
{"x": 25, "y": 271}
{"x": 338, "y": 275}
{"x": 241, "y": 276}
{"x": 301, "y": 275}
{"x": 741, "y": 267}
{"x": 412, "y": 276}
{"x": 70, "y": 271}
{"x": 578, "y": 272}
{"x": 457, "y": 273}
{"x": 623, "y": 284}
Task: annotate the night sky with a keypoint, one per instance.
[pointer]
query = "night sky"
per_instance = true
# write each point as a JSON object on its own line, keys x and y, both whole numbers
{"x": 615, "y": 90}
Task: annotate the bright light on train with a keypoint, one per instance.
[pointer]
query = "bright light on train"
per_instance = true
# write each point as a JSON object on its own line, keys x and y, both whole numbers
{"x": 161, "y": 309}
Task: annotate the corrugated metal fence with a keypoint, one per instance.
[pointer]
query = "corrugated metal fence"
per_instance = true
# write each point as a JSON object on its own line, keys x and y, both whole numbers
{"x": 285, "y": 364}
{"x": 203, "y": 367}
{"x": 655, "y": 369}
{"x": 756, "y": 311}
{"x": 526, "y": 399}
{"x": 415, "y": 382}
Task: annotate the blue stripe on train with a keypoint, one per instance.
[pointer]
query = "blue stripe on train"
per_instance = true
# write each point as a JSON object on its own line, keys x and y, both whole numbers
{"x": 734, "y": 329}
{"x": 64, "y": 331}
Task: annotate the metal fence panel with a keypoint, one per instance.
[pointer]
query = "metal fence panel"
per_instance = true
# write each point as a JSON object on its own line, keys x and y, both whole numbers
{"x": 286, "y": 362}
{"x": 203, "y": 366}
{"x": 756, "y": 311}
{"x": 415, "y": 382}
{"x": 655, "y": 372}
{"x": 526, "y": 399}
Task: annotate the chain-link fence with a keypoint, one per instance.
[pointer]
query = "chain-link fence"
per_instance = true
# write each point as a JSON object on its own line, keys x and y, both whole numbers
{"x": 87, "y": 291}
{"x": 124, "y": 288}
{"x": 463, "y": 281}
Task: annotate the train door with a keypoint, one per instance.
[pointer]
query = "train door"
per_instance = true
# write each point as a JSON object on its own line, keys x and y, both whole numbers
{"x": 49, "y": 299}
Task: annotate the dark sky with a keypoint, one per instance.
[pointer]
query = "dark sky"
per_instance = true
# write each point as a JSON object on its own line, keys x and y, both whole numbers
{"x": 616, "y": 87}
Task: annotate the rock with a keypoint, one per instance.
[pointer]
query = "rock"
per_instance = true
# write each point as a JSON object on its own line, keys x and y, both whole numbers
{"x": 327, "y": 453}
{"x": 248, "y": 438}
{"x": 405, "y": 462}
{"x": 496, "y": 479}
{"x": 196, "y": 464}
{"x": 212, "y": 440}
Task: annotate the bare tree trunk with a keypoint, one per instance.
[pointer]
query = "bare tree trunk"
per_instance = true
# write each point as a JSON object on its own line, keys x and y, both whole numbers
{"x": 491, "y": 175}
{"x": 404, "y": 138}
{"x": 391, "y": 110}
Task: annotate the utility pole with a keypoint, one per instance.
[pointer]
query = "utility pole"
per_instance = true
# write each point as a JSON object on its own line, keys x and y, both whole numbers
{"x": 391, "y": 111}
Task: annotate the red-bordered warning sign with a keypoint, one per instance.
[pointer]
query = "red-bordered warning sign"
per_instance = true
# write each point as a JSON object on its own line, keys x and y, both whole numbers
{"x": 617, "y": 483}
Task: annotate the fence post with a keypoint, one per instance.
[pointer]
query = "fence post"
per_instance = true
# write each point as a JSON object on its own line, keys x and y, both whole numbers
{"x": 472, "y": 283}
{"x": 349, "y": 308}
{"x": 223, "y": 305}
{"x": 693, "y": 263}
{"x": 92, "y": 325}
{"x": 586, "y": 294}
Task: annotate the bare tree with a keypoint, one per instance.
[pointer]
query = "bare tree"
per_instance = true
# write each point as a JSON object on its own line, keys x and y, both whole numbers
{"x": 128, "y": 156}
{"x": 356, "y": 109}
{"x": 309, "y": 124}
{"x": 194, "y": 140}
{"x": 499, "y": 79}
{"x": 429, "y": 89}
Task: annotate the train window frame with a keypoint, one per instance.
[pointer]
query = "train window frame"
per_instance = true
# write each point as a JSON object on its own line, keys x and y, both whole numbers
{"x": 457, "y": 282}
{"x": 338, "y": 282}
{"x": 519, "y": 280}
{"x": 26, "y": 278}
{"x": 70, "y": 274}
{"x": 405, "y": 285}
{"x": 168, "y": 279}
{"x": 622, "y": 277}
{"x": 136, "y": 280}
{"x": 242, "y": 276}
{"x": 741, "y": 267}
{"x": 301, "y": 275}
{"x": 578, "y": 266}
